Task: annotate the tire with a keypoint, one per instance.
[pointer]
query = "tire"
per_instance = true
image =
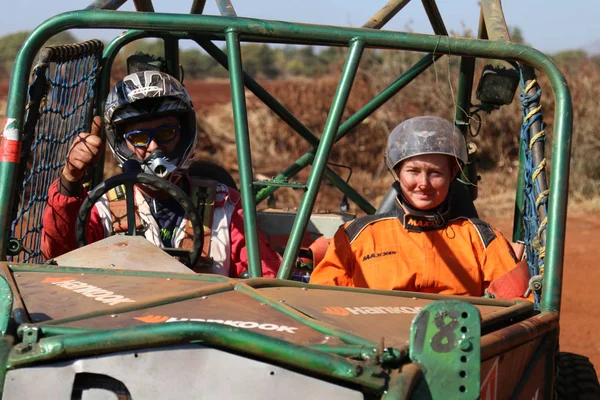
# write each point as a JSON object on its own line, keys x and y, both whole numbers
{"x": 576, "y": 378}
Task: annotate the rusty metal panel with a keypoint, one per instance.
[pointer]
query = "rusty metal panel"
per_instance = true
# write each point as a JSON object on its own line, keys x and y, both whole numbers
{"x": 125, "y": 252}
{"x": 230, "y": 308}
{"x": 60, "y": 295}
{"x": 371, "y": 316}
{"x": 500, "y": 375}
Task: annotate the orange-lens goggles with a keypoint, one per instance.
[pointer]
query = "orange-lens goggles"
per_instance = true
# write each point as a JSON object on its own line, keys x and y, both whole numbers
{"x": 161, "y": 135}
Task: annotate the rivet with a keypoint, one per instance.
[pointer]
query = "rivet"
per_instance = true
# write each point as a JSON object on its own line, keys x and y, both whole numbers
{"x": 465, "y": 345}
{"x": 22, "y": 348}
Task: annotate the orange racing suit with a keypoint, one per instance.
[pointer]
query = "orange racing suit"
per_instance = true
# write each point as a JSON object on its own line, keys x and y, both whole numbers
{"x": 402, "y": 251}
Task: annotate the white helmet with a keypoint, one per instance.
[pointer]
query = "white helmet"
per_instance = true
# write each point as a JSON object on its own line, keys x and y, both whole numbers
{"x": 144, "y": 95}
{"x": 424, "y": 135}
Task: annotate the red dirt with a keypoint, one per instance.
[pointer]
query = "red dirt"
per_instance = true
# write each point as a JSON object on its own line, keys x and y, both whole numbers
{"x": 580, "y": 310}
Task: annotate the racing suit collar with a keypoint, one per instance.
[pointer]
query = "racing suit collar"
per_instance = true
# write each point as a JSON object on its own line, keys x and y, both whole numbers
{"x": 422, "y": 220}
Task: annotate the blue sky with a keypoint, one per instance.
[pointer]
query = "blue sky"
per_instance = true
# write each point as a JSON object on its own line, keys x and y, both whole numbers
{"x": 548, "y": 25}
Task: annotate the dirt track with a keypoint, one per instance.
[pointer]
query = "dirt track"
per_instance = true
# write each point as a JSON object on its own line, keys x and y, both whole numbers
{"x": 580, "y": 310}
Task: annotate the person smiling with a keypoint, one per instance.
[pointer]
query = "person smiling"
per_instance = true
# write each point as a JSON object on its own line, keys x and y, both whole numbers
{"x": 420, "y": 245}
{"x": 149, "y": 118}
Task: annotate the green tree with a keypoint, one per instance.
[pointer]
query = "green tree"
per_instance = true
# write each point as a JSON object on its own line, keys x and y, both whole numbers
{"x": 197, "y": 65}
{"x": 570, "y": 56}
{"x": 259, "y": 60}
{"x": 516, "y": 35}
{"x": 11, "y": 43}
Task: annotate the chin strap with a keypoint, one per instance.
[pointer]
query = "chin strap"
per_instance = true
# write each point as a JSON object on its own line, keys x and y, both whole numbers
{"x": 422, "y": 220}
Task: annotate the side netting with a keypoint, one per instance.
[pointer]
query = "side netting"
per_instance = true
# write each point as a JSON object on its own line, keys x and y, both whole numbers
{"x": 535, "y": 203}
{"x": 60, "y": 106}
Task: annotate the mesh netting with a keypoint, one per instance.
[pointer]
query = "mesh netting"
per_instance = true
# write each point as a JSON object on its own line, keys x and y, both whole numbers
{"x": 60, "y": 106}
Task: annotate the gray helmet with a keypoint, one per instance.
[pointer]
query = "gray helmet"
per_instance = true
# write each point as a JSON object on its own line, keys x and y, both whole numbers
{"x": 424, "y": 135}
{"x": 144, "y": 95}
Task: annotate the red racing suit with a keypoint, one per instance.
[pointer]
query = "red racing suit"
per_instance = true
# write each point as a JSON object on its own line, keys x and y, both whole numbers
{"x": 227, "y": 245}
{"x": 399, "y": 251}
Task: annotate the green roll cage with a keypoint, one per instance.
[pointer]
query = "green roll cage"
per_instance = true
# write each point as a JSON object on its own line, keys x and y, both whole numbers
{"x": 204, "y": 29}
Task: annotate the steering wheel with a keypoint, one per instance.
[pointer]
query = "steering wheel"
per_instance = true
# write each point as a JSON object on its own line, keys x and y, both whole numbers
{"x": 129, "y": 178}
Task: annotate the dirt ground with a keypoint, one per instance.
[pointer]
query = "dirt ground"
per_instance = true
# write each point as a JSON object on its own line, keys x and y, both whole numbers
{"x": 580, "y": 312}
{"x": 580, "y": 308}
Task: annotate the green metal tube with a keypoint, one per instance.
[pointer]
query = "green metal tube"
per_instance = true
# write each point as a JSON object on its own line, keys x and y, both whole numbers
{"x": 557, "y": 205}
{"x": 197, "y": 6}
{"x": 143, "y": 5}
{"x": 14, "y": 122}
{"x": 323, "y": 151}
{"x": 8, "y": 175}
{"x": 312, "y": 323}
{"x": 402, "y": 383}
{"x": 242, "y": 138}
{"x": 6, "y": 305}
{"x": 514, "y": 307}
{"x": 347, "y": 351}
{"x": 291, "y": 171}
{"x": 435, "y": 18}
{"x": 171, "y": 46}
{"x": 119, "y": 272}
{"x": 229, "y": 338}
{"x": 292, "y": 33}
{"x": 388, "y": 356}
{"x": 49, "y": 330}
{"x": 463, "y": 98}
{"x": 462, "y": 120}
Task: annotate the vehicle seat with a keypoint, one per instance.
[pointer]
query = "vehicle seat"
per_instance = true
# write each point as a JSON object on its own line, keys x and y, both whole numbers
{"x": 210, "y": 170}
{"x": 461, "y": 204}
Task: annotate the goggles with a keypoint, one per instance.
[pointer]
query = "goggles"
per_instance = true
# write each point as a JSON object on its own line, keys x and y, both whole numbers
{"x": 161, "y": 135}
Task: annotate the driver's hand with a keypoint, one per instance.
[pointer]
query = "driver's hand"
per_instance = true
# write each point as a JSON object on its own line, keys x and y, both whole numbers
{"x": 85, "y": 152}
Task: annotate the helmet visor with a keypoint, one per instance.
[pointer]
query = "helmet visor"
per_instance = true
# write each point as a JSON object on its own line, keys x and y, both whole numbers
{"x": 161, "y": 135}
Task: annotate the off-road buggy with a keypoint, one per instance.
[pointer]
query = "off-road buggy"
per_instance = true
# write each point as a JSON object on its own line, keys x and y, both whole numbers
{"x": 122, "y": 317}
